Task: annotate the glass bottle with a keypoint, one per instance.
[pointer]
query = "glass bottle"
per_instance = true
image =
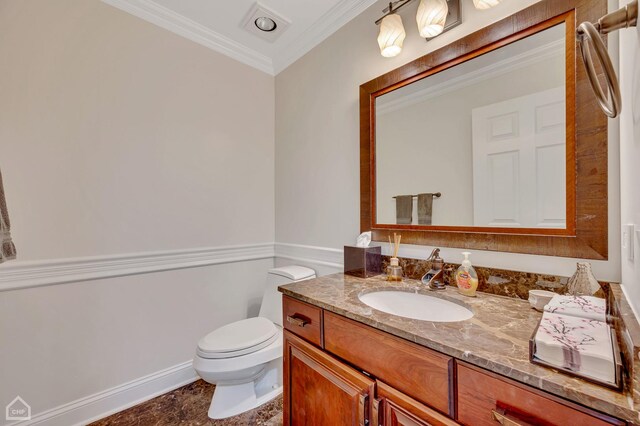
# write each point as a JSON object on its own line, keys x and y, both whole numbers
{"x": 583, "y": 283}
{"x": 394, "y": 270}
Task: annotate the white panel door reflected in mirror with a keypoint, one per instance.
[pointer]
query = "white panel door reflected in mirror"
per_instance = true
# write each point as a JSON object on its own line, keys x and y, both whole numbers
{"x": 488, "y": 134}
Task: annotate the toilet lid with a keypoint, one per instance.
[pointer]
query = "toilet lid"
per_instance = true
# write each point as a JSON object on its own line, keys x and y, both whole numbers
{"x": 238, "y": 338}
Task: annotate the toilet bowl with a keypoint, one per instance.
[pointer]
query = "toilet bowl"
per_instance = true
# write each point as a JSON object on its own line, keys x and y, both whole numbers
{"x": 244, "y": 359}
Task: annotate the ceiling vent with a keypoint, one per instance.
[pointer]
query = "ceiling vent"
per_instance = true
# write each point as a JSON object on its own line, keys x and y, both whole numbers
{"x": 267, "y": 29}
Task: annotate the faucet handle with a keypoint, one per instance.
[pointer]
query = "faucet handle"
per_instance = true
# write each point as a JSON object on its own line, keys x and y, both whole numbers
{"x": 438, "y": 262}
{"x": 435, "y": 253}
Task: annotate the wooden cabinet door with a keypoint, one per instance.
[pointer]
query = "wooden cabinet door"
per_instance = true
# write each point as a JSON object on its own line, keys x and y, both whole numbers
{"x": 319, "y": 390}
{"x": 393, "y": 408}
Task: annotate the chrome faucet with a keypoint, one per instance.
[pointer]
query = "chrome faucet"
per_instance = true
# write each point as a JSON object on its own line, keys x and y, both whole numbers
{"x": 434, "y": 279}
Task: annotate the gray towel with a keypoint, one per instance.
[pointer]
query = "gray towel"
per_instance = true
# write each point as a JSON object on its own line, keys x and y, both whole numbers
{"x": 8, "y": 250}
{"x": 404, "y": 209}
{"x": 425, "y": 205}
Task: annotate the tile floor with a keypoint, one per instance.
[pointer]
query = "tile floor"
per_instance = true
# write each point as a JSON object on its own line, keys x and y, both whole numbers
{"x": 188, "y": 405}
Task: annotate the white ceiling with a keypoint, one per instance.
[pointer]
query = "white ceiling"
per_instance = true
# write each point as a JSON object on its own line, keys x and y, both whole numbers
{"x": 218, "y": 25}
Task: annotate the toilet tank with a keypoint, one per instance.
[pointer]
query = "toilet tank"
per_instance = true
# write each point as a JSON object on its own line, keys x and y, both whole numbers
{"x": 271, "y": 306}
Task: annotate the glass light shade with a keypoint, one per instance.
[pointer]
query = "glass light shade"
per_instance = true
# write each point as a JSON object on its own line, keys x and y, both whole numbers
{"x": 485, "y": 4}
{"x": 391, "y": 35}
{"x": 431, "y": 17}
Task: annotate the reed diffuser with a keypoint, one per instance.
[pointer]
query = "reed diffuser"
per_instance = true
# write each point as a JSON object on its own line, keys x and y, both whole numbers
{"x": 394, "y": 270}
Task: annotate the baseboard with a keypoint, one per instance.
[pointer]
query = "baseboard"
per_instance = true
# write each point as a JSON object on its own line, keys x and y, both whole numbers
{"x": 103, "y": 404}
{"x": 324, "y": 256}
{"x": 16, "y": 274}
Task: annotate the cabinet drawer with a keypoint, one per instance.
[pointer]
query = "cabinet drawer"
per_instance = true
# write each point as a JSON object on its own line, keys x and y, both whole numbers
{"x": 412, "y": 369}
{"x": 302, "y": 319}
{"x": 485, "y": 399}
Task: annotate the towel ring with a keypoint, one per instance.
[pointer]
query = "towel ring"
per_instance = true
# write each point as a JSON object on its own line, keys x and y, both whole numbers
{"x": 588, "y": 34}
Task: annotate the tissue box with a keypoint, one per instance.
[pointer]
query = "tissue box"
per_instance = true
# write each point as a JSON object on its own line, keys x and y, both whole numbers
{"x": 363, "y": 262}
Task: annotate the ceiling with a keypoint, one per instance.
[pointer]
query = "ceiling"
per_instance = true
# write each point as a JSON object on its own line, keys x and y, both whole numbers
{"x": 218, "y": 25}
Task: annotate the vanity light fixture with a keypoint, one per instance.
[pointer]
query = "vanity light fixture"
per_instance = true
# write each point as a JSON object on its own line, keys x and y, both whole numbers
{"x": 433, "y": 18}
{"x": 391, "y": 34}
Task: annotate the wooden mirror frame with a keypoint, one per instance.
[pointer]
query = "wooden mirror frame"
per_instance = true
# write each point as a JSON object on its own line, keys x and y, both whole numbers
{"x": 586, "y": 234}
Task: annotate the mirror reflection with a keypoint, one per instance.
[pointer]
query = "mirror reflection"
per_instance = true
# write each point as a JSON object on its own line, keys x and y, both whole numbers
{"x": 480, "y": 144}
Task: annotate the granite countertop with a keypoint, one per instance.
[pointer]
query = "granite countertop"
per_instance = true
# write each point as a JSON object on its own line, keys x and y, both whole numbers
{"x": 496, "y": 338}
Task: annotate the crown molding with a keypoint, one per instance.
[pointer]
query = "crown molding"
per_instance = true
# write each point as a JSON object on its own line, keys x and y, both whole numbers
{"x": 523, "y": 60}
{"x": 185, "y": 27}
{"x": 329, "y": 23}
{"x": 18, "y": 275}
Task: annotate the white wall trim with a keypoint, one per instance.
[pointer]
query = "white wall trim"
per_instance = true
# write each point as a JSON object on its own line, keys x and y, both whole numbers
{"x": 102, "y": 404}
{"x": 329, "y": 23}
{"x": 18, "y": 275}
{"x": 187, "y": 28}
{"x": 310, "y": 254}
{"x": 526, "y": 59}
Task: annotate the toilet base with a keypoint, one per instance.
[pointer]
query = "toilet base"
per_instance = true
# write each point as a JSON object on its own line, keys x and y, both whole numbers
{"x": 233, "y": 399}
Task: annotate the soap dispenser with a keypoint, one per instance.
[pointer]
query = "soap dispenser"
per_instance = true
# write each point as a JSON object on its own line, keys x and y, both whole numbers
{"x": 466, "y": 277}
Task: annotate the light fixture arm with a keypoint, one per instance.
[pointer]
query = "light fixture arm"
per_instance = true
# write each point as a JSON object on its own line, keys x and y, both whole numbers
{"x": 393, "y": 8}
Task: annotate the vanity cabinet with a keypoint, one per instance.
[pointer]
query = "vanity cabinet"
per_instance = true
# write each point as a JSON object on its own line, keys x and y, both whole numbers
{"x": 341, "y": 372}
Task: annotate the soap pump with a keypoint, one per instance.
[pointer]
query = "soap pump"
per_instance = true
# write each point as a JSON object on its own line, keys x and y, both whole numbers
{"x": 466, "y": 277}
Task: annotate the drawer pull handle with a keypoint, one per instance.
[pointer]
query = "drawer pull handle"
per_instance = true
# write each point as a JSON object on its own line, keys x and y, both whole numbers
{"x": 501, "y": 417}
{"x": 300, "y": 322}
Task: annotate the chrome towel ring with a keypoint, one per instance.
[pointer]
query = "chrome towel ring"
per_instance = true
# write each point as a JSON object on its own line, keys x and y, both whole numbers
{"x": 589, "y": 34}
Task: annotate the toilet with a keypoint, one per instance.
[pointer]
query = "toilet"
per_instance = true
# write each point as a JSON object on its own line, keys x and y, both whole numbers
{"x": 244, "y": 359}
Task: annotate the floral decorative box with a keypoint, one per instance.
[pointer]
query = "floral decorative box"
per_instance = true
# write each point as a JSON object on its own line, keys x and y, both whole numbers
{"x": 573, "y": 337}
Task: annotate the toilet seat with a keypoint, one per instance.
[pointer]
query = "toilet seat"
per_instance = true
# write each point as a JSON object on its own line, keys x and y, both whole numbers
{"x": 238, "y": 338}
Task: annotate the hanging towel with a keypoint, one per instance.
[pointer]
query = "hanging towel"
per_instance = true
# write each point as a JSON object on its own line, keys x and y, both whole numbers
{"x": 404, "y": 209}
{"x": 425, "y": 206}
{"x": 8, "y": 250}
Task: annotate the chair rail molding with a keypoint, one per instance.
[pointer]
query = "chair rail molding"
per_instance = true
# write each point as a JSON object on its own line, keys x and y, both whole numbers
{"x": 18, "y": 275}
{"x": 310, "y": 254}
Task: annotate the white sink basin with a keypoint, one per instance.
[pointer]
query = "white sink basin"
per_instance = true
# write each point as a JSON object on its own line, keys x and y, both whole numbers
{"x": 416, "y": 306}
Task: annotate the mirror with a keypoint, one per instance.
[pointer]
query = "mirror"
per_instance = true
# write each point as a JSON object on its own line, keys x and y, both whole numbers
{"x": 486, "y": 137}
{"x": 500, "y": 133}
